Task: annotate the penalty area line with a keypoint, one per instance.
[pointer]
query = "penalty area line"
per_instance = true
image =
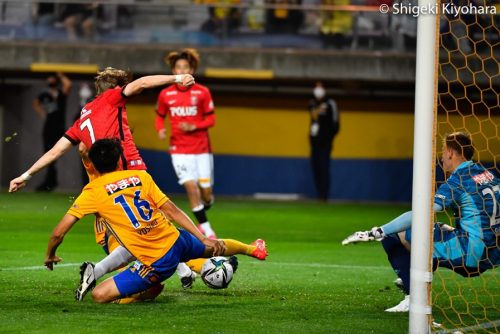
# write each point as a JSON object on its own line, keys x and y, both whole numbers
{"x": 39, "y": 267}
{"x": 321, "y": 265}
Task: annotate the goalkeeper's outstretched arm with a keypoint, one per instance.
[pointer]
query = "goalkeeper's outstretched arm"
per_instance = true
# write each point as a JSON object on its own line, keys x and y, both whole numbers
{"x": 403, "y": 222}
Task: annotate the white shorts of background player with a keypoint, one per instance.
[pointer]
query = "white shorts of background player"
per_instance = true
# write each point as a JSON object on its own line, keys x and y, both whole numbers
{"x": 197, "y": 167}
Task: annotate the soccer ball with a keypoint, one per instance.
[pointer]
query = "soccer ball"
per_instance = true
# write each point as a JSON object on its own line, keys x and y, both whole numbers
{"x": 217, "y": 272}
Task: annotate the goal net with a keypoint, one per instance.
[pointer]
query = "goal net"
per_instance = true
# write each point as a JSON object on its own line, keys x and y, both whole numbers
{"x": 468, "y": 100}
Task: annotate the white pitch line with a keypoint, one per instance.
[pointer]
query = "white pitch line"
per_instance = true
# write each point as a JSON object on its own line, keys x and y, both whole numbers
{"x": 322, "y": 265}
{"x": 290, "y": 264}
{"x": 39, "y": 267}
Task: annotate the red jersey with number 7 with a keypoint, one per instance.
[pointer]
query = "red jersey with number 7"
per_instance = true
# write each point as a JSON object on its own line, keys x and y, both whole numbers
{"x": 190, "y": 105}
{"x": 106, "y": 117}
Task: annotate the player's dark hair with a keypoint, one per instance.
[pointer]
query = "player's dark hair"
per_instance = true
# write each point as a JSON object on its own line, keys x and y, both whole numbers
{"x": 190, "y": 55}
{"x": 461, "y": 143}
{"x": 105, "y": 154}
{"x": 110, "y": 78}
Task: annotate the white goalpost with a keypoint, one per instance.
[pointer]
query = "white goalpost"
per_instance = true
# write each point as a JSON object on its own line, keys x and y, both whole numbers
{"x": 423, "y": 172}
{"x": 456, "y": 68}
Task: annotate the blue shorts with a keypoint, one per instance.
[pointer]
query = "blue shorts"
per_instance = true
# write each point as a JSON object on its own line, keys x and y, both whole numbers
{"x": 139, "y": 277}
{"x": 455, "y": 248}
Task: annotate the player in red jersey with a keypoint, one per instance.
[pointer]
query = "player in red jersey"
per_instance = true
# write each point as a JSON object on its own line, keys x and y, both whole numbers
{"x": 105, "y": 117}
{"x": 190, "y": 111}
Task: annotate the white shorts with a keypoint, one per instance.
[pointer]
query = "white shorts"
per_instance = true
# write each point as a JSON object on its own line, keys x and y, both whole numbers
{"x": 196, "y": 167}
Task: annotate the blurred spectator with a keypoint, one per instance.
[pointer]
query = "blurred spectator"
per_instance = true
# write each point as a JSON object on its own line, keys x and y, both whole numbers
{"x": 50, "y": 105}
{"x": 336, "y": 26}
{"x": 324, "y": 126}
{"x": 373, "y": 27}
{"x": 222, "y": 18}
{"x": 124, "y": 17}
{"x": 405, "y": 27}
{"x": 458, "y": 32}
{"x": 43, "y": 16}
{"x": 283, "y": 20}
{"x": 79, "y": 19}
{"x": 255, "y": 15}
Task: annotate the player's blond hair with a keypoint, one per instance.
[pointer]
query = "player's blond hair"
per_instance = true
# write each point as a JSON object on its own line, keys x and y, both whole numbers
{"x": 461, "y": 143}
{"x": 110, "y": 78}
{"x": 190, "y": 55}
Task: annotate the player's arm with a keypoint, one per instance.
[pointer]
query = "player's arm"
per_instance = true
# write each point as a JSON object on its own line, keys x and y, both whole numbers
{"x": 208, "y": 116}
{"x": 206, "y": 123}
{"x": 173, "y": 213}
{"x": 316, "y": 111}
{"x": 151, "y": 81}
{"x": 57, "y": 238}
{"x": 395, "y": 226}
{"x": 61, "y": 147}
{"x": 403, "y": 222}
{"x": 160, "y": 127}
{"x": 67, "y": 84}
{"x": 161, "y": 113}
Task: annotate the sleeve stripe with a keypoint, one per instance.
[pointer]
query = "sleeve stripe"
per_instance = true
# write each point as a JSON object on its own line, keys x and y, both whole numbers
{"x": 74, "y": 142}
{"x": 75, "y": 213}
{"x": 164, "y": 200}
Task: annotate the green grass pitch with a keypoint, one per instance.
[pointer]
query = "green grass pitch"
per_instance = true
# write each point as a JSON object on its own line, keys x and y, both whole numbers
{"x": 309, "y": 284}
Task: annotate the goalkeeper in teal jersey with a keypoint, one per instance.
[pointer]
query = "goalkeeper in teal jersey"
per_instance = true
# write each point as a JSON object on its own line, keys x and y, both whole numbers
{"x": 473, "y": 245}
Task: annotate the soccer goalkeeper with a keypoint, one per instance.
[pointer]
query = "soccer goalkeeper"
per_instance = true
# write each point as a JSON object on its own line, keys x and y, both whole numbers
{"x": 471, "y": 247}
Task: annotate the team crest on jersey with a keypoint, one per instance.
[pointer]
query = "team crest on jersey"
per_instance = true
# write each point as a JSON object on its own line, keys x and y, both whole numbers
{"x": 119, "y": 185}
{"x": 194, "y": 100}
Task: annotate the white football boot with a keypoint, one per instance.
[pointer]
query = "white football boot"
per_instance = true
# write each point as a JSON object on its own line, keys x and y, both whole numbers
{"x": 403, "y": 306}
{"x": 187, "y": 281}
{"x": 87, "y": 280}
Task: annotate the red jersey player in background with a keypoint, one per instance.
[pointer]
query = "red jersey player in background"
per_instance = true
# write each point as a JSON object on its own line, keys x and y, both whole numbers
{"x": 104, "y": 117}
{"x": 190, "y": 111}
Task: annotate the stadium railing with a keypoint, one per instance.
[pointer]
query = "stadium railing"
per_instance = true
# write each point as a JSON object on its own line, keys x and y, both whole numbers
{"x": 353, "y": 25}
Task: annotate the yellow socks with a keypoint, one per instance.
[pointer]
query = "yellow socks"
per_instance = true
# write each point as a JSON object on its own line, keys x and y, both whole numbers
{"x": 237, "y": 247}
{"x": 196, "y": 264}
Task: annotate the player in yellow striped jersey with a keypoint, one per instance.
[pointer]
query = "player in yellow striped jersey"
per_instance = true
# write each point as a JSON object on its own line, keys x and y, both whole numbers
{"x": 139, "y": 215}
{"x": 118, "y": 257}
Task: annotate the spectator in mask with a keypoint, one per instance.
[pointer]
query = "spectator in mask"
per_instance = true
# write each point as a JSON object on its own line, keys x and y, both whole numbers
{"x": 324, "y": 126}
